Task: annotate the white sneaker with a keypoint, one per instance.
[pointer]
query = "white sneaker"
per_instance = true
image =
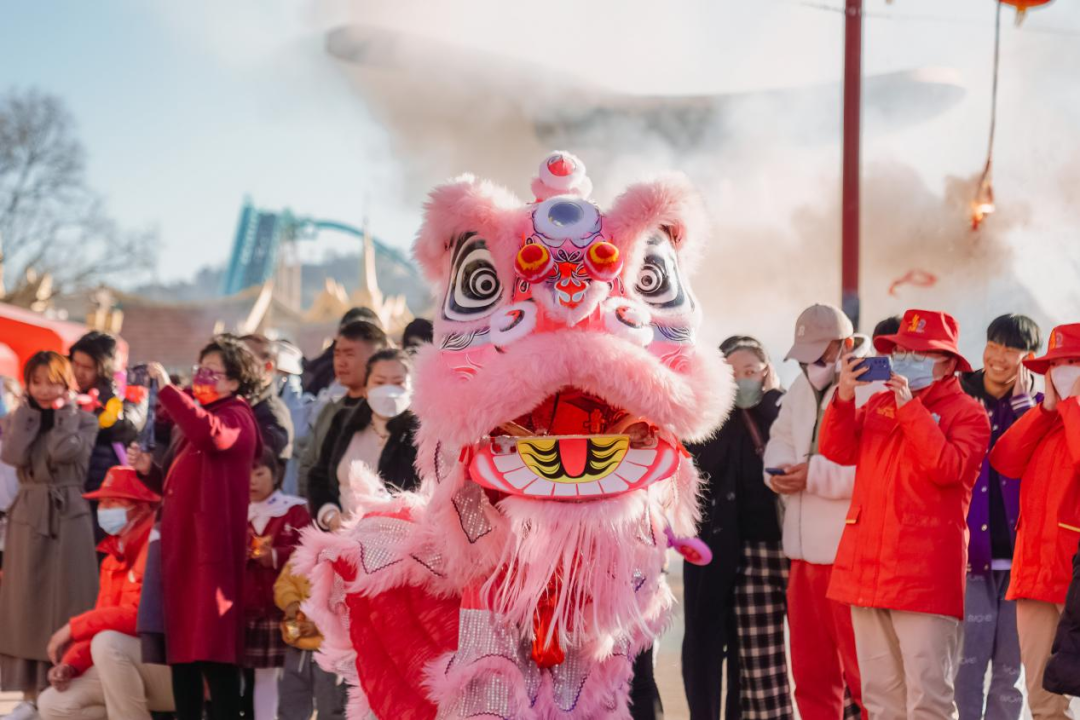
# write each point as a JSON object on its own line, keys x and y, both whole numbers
{"x": 24, "y": 711}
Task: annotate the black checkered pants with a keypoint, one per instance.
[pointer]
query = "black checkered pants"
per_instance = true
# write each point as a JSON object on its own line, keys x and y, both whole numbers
{"x": 760, "y": 607}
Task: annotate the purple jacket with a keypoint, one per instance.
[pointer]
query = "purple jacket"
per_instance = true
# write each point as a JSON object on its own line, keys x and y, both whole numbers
{"x": 1002, "y": 412}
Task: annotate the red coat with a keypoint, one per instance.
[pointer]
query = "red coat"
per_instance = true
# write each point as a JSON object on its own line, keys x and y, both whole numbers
{"x": 117, "y": 605}
{"x": 1043, "y": 450}
{"x": 259, "y": 579}
{"x": 905, "y": 543}
{"x": 204, "y": 527}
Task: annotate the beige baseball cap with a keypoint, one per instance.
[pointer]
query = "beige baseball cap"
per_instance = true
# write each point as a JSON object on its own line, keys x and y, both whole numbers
{"x": 818, "y": 326}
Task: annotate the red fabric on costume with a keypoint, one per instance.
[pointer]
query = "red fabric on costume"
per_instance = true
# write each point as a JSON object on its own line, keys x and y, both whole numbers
{"x": 401, "y": 630}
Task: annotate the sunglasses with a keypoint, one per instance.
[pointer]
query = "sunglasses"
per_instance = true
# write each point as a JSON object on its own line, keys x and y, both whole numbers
{"x": 910, "y": 355}
{"x": 205, "y": 373}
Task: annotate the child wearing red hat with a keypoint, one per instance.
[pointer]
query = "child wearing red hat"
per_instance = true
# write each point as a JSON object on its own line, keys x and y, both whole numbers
{"x": 97, "y": 654}
{"x": 902, "y": 559}
{"x": 1043, "y": 450}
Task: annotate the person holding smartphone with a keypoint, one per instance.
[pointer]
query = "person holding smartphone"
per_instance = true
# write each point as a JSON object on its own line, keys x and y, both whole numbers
{"x": 902, "y": 559}
{"x": 205, "y": 477}
{"x": 816, "y": 493}
{"x": 1005, "y": 388}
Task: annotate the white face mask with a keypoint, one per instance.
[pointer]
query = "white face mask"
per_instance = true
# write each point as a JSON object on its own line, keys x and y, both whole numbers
{"x": 112, "y": 520}
{"x": 389, "y": 401}
{"x": 821, "y": 376}
{"x": 1064, "y": 377}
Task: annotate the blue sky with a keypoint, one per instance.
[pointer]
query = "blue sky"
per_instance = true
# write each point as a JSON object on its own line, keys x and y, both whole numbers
{"x": 185, "y": 107}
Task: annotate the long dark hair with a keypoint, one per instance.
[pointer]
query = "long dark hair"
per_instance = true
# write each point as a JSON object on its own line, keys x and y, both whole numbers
{"x": 240, "y": 363}
{"x": 101, "y": 348}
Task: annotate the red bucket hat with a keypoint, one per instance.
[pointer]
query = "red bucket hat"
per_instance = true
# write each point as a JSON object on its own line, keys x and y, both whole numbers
{"x": 926, "y": 331}
{"x": 1064, "y": 343}
{"x": 122, "y": 483}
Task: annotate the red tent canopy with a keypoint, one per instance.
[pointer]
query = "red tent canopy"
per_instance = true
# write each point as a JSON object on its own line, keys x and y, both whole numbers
{"x": 9, "y": 362}
{"x": 26, "y": 332}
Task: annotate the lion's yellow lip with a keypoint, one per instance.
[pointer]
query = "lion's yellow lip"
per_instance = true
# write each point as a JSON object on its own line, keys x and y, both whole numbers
{"x": 569, "y": 467}
{"x": 573, "y": 459}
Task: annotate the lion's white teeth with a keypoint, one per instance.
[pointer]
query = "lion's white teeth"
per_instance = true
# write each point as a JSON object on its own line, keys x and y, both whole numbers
{"x": 520, "y": 478}
{"x": 508, "y": 463}
{"x": 541, "y": 487}
{"x": 642, "y": 457}
{"x": 630, "y": 473}
{"x": 613, "y": 484}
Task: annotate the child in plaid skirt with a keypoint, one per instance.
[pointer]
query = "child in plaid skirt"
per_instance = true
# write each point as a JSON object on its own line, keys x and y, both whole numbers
{"x": 274, "y": 524}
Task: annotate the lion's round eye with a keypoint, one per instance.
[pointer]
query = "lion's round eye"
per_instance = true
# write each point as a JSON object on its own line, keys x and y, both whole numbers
{"x": 563, "y": 214}
{"x": 650, "y": 280}
{"x": 563, "y": 218}
{"x": 482, "y": 281}
{"x": 474, "y": 286}
{"x": 658, "y": 281}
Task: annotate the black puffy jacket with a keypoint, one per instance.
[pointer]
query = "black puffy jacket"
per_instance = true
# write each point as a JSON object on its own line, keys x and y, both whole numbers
{"x": 1062, "y": 674}
{"x": 275, "y": 423}
{"x": 121, "y": 433}
{"x": 397, "y": 463}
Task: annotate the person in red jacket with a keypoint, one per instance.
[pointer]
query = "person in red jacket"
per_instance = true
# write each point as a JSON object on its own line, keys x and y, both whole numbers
{"x": 207, "y": 472}
{"x": 1043, "y": 450}
{"x": 98, "y": 671}
{"x": 902, "y": 560}
{"x": 274, "y": 524}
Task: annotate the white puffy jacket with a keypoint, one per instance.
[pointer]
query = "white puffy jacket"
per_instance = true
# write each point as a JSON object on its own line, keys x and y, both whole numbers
{"x": 814, "y": 518}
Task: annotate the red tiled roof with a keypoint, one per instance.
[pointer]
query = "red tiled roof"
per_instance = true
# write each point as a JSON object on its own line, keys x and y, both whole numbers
{"x": 173, "y": 334}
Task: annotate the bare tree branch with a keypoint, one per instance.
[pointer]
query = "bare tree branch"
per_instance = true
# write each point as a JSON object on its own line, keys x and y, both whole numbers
{"x": 51, "y": 221}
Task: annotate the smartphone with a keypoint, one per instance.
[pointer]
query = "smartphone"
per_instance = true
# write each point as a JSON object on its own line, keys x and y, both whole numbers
{"x": 139, "y": 375}
{"x": 880, "y": 368}
{"x": 775, "y": 471}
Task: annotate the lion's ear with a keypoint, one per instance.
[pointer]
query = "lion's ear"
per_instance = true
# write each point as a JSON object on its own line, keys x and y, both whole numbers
{"x": 464, "y": 206}
{"x": 669, "y": 204}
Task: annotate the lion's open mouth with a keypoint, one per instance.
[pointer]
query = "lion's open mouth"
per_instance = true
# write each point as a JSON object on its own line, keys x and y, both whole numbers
{"x": 573, "y": 446}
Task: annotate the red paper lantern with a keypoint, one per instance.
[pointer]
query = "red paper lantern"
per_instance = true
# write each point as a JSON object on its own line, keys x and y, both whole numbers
{"x": 1022, "y": 6}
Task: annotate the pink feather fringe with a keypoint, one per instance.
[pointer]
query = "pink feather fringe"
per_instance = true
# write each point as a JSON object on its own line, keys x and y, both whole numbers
{"x": 602, "y": 552}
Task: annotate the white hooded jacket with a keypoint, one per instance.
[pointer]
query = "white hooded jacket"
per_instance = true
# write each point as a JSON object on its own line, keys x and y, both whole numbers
{"x": 814, "y": 518}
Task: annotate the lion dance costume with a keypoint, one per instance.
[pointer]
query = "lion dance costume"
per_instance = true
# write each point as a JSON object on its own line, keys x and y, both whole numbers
{"x": 525, "y": 576}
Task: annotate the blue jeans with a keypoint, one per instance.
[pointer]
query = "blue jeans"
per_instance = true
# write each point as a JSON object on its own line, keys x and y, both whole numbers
{"x": 990, "y": 639}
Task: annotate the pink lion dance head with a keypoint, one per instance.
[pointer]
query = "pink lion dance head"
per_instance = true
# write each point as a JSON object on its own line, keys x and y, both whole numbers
{"x": 553, "y": 406}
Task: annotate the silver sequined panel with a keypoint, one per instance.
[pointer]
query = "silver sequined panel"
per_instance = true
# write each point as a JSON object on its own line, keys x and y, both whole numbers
{"x": 483, "y": 635}
{"x": 381, "y": 541}
{"x": 469, "y": 503}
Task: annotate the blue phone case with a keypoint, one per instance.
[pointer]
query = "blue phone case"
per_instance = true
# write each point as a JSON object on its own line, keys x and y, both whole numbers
{"x": 880, "y": 369}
